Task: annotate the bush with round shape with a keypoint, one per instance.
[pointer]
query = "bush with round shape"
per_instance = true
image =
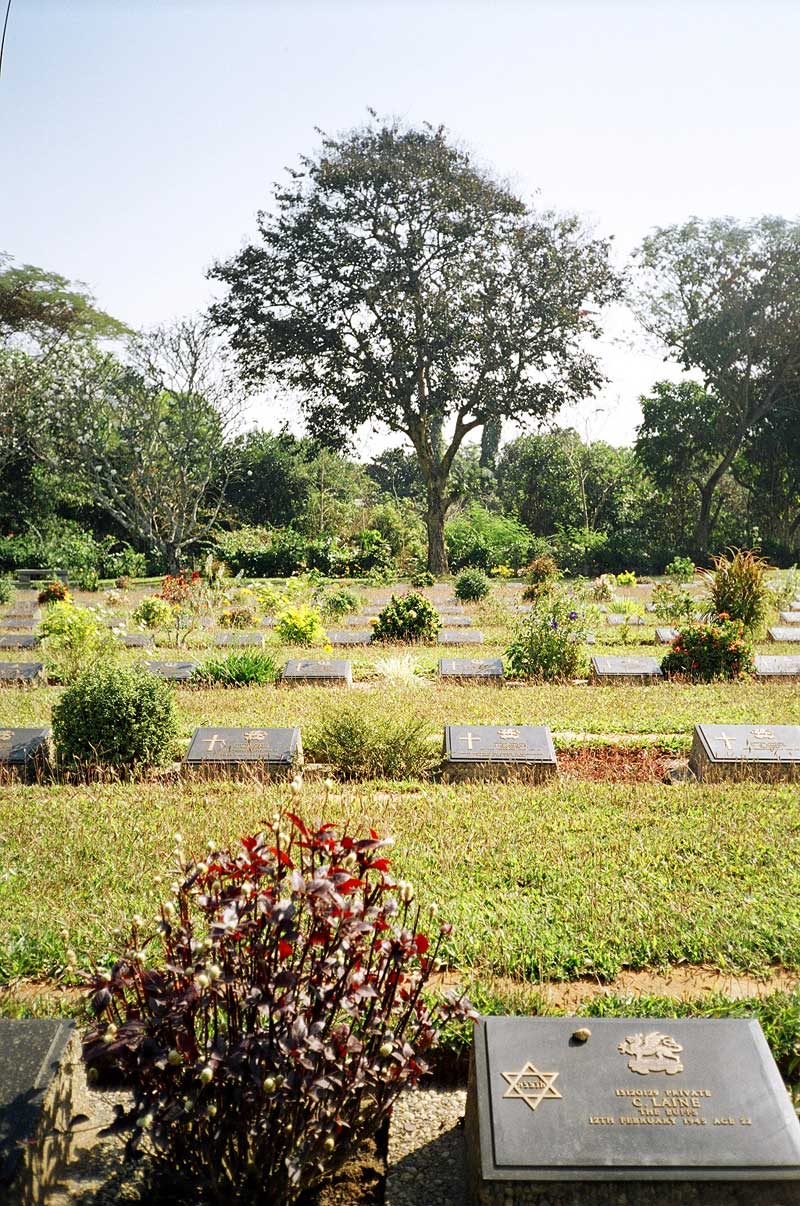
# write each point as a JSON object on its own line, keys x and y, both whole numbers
{"x": 269, "y": 1022}
{"x": 74, "y": 638}
{"x": 407, "y": 618}
{"x": 422, "y": 577}
{"x": 123, "y": 583}
{"x": 549, "y": 643}
{"x": 737, "y": 588}
{"x": 680, "y": 569}
{"x": 704, "y": 653}
{"x": 341, "y": 601}
{"x": 237, "y": 617}
{"x": 88, "y": 580}
{"x": 54, "y": 592}
{"x": 626, "y": 578}
{"x": 117, "y": 717}
{"x": 471, "y": 586}
{"x": 300, "y": 625}
{"x": 153, "y": 613}
{"x": 239, "y": 668}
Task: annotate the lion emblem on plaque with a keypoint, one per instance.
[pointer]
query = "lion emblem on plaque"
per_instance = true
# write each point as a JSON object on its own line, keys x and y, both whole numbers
{"x": 653, "y": 1052}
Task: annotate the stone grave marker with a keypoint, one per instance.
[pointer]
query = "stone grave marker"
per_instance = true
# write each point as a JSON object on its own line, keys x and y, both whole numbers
{"x": 789, "y": 634}
{"x": 455, "y": 619}
{"x": 665, "y": 636}
{"x": 794, "y": 605}
{"x": 606, "y": 670}
{"x": 789, "y": 617}
{"x": 138, "y": 640}
{"x": 24, "y": 751}
{"x": 745, "y": 751}
{"x": 615, "y": 619}
{"x": 486, "y": 751}
{"x": 608, "y": 1110}
{"x": 175, "y": 672}
{"x": 472, "y": 669}
{"x": 28, "y": 673}
{"x": 460, "y": 636}
{"x": 21, "y": 641}
{"x": 37, "y": 1058}
{"x": 360, "y": 636}
{"x": 777, "y": 666}
{"x": 30, "y": 626}
{"x": 239, "y": 640}
{"x": 650, "y": 607}
{"x": 301, "y": 671}
{"x": 272, "y": 751}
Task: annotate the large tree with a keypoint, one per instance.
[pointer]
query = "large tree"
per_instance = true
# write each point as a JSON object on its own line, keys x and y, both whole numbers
{"x": 395, "y": 282}
{"x": 724, "y": 299}
{"x": 146, "y": 438}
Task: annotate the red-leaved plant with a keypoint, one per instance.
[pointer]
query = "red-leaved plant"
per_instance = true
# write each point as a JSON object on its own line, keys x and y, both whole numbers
{"x": 281, "y": 1019}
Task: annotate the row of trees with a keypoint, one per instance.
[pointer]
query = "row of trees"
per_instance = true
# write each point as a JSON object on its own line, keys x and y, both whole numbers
{"x": 394, "y": 282}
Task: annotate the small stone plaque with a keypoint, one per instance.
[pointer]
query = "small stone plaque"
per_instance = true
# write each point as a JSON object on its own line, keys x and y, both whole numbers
{"x": 777, "y": 666}
{"x": 319, "y": 674}
{"x": 21, "y": 672}
{"x": 276, "y": 751}
{"x": 794, "y": 605}
{"x": 22, "y": 641}
{"x": 24, "y": 749}
{"x": 361, "y": 636}
{"x": 789, "y": 617}
{"x": 472, "y": 669}
{"x": 455, "y": 619}
{"x": 607, "y": 670}
{"x": 460, "y": 636}
{"x": 239, "y": 640}
{"x": 615, "y": 619}
{"x": 792, "y": 635}
{"x": 745, "y": 751}
{"x": 689, "y": 1103}
{"x": 138, "y": 640}
{"x": 665, "y": 636}
{"x": 481, "y": 751}
{"x": 175, "y": 672}
{"x": 13, "y": 624}
{"x": 650, "y": 607}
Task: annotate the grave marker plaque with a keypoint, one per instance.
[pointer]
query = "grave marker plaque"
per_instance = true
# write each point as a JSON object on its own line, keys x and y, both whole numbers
{"x": 239, "y": 640}
{"x": 361, "y": 636}
{"x": 777, "y": 666}
{"x": 615, "y": 619}
{"x": 794, "y": 605}
{"x": 784, "y": 634}
{"x": 789, "y": 617}
{"x": 176, "y": 672}
{"x": 319, "y": 674}
{"x": 745, "y": 751}
{"x": 665, "y": 636}
{"x": 24, "y": 751}
{"x": 609, "y": 670}
{"x": 21, "y": 641}
{"x": 673, "y": 1111}
{"x": 484, "y": 751}
{"x": 138, "y": 640}
{"x": 22, "y": 673}
{"x": 272, "y": 751}
{"x": 26, "y": 624}
{"x": 472, "y": 669}
{"x": 457, "y": 619}
{"x": 460, "y": 636}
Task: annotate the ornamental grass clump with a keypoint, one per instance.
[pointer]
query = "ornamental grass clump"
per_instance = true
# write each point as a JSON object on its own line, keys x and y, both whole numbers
{"x": 270, "y": 1016}
{"x": 704, "y": 653}
{"x": 239, "y": 668}
{"x": 409, "y": 617}
{"x": 360, "y": 743}
{"x": 737, "y": 588}
{"x": 548, "y": 643}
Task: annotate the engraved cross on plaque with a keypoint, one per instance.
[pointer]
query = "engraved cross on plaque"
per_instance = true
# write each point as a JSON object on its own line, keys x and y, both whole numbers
{"x": 212, "y": 741}
{"x": 470, "y": 738}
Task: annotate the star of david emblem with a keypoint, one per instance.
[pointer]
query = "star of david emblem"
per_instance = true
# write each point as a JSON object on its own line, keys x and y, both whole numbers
{"x": 531, "y": 1085}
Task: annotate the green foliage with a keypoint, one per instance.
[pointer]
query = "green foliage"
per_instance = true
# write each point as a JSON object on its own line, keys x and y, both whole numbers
{"x": 239, "y": 668}
{"x": 73, "y": 639}
{"x": 360, "y": 743}
{"x": 422, "y": 577}
{"x": 119, "y": 717}
{"x": 580, "y": 550}
{"x": 54, "y": 592}
{"x": 88, "y": 580}
{"x": 705, "y": 652}
{"x": 6, "y": 589}
{"x": 602, "y": 589}
{"x": 542, "y": 575}
{"x": 237, "y": 617}
{"x": 672, "y": 604}
{"x": 626, "y": 578}
{"x": 154, "y": 613}
{"x": 548, "y": 643}
{"x": 482, "y": 539}
{"x": 471, "y": 586}
{"x": 300, "y": 625}
{"x": 680, "y": 569}
{"x": 738, "y": 588}
{"x": 340, "y": 601}
{"x": 407, "y": 618}
{"x": 785, "y": 588}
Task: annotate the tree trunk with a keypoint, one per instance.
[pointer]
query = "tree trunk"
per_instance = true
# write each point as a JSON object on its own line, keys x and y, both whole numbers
{"x": 702, "y": 531}
{"x": 434, "y": 519}
{"x": 172, "y": 557}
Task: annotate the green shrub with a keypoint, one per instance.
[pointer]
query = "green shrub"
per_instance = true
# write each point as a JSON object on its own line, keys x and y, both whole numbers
{"x": 74, "y": 639}
{"x": 88, "y": 580}
{"x": 54, "y": 592}
{"x": 239, "y": 668}
{"x": 785, "y": 588}
{"x": 360, "y": 744}
{"x": 6, "y": 589}
{"x": 338, "y": 602}
{"x": 737, "y": 588}
{"x": 471, "y": 585}
{"x": 237, "y": 617}
{"x": 300, "y": 625}
{"x": 581, "y": 550}
{"x": 541, "y": 575}
{"x": 626, "y": 578}
{"x": 548, "y": 643}
{"x": 407, "y": 618}
{"x": 124, "y": 562}
{"x": 154, "y": 612}
{"x": 422, "y": 577}
{"x": 704, "y": 653}
{"x": 482, "y": 539}
{"x": 680, "y": 569}
{"x": 115, "y": 716}
{"x": 602, "y": 589}
{"x": 626, "y": 607}
{"x": 672, "y": 604}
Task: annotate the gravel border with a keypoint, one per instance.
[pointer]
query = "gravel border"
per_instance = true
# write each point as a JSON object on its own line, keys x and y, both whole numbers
{"x": 426, "y": 1161}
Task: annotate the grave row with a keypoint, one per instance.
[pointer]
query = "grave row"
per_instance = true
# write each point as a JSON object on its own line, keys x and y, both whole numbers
{"x": 738, "y": 751}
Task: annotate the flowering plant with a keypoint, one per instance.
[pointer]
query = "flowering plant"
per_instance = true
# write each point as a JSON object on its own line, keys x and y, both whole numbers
{"x": 282, "y": 1016}
{"x": 704, "y": 652}
{"x": 54, "y": 592}
{"x": 548, "y": 643}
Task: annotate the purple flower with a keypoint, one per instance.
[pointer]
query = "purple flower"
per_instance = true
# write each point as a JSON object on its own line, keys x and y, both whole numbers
{"x": 573, "y": 615}
{"x": 554, "y": 624}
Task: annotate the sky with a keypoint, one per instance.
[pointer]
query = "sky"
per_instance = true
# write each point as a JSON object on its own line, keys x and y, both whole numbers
{"x": 138, "y": 138}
